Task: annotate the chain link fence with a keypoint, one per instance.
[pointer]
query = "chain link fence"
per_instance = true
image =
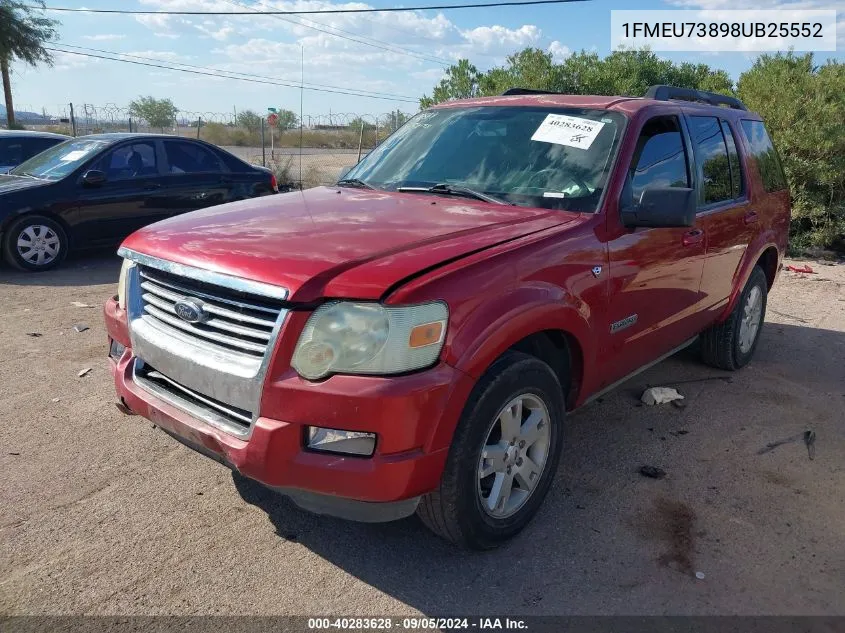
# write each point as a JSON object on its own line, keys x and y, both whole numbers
{"x": 301, "y": 154}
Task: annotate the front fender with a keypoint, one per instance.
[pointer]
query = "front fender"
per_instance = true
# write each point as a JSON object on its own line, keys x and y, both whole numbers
{"x": 508, "y": 318}
{"x": 498, "y": 324}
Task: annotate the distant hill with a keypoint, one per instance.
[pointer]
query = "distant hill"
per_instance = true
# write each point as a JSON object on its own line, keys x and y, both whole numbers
{"x": 25, "y": 117}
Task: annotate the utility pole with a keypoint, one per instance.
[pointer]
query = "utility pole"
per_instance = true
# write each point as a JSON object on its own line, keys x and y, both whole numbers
{"x": 72, "y": 121}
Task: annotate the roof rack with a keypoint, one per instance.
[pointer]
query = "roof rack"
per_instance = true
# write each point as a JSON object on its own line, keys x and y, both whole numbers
{"x": 667, "y": 93}
{"x": 528, "y": 91}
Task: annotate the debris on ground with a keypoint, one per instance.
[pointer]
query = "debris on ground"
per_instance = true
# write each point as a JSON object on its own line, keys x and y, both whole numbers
{"x": 699, "y": 575}
{"x": 809, "y": 438}
{"x": 803, "y": 270}
{"x": 15, "y": 454}
{"x": 34, "y": 334}
{"x": 55, "y": 399}
{"x": 653, "y": 472}
{"x": 80, "y": 304}
{"x": 80, "y": 327}
{"x": 83, "y": 372}
{"x": 678, "y": 404}
{"x": 810, "y": 443}
{"x": 660, "y": 395}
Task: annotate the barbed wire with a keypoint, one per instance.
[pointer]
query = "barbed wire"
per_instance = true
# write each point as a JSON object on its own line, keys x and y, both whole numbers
{"x": 114, "y": 117}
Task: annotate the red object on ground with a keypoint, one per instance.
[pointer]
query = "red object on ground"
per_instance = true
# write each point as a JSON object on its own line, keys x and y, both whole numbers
{"x": 803, "y": 269}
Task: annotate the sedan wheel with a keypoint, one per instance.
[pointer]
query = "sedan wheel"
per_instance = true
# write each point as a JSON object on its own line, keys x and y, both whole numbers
{"x": 35, "y": 243}
{"x": 38, "y": 245}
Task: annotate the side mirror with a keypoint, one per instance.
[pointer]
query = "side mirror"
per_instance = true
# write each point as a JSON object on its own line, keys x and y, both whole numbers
{"x": 659, "y": 207}
{"x": 93, "y": 178}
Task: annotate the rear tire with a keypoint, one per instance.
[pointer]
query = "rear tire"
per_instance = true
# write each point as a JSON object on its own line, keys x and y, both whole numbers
{"x": 35, "y": 243}
{"x": 731, "y": 344}
{"x": 503, "y": 456}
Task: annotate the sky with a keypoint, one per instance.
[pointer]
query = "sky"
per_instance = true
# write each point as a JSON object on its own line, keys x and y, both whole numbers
{"x": 404, "y": 57}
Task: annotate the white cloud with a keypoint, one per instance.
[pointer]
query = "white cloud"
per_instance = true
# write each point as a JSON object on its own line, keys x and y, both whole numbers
{"x": 104, "y": 37}
{"x": 221, "y": 34}
{"x": 487, "y": 37}
{"x": 165, "y": 56}
{"x": 559, "y": 51}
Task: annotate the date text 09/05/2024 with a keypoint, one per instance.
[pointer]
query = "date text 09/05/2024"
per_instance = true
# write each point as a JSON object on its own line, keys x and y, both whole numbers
{"x": 417, "y": 624}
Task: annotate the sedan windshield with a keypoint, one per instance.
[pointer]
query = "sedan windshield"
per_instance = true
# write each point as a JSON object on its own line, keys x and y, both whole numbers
{"x": 60, "y": 160}
{"x": 556, "y": 158}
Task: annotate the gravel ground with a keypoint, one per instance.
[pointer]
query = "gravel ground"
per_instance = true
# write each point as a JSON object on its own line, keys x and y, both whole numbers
{"x": 102, "y": 514}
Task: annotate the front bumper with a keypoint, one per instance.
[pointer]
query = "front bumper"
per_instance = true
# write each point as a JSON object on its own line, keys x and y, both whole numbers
{"x": 407, "y": 413}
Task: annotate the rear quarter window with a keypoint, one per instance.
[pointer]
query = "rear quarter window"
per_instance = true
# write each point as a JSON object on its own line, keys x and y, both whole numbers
{"x": 764, "y": 152}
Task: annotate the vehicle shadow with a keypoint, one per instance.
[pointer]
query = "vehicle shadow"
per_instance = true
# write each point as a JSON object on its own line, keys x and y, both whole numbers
{"x": 588, "y": 550}
{"x": 89, "y": 268}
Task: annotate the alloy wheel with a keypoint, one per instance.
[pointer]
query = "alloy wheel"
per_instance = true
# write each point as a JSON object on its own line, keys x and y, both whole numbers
{"x": 752, "y": 313}
{"x": 514, "y": 456}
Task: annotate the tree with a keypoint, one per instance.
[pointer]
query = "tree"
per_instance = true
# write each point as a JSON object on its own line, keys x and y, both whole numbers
{"x": 625, "y": 72}
{"x": 460, "y": 82}
{"x": 23, "y": 33}
{"x": 287, "y": 120}
{"x": 803, "y": 106}
{"x": 158, "y": 113}
{"x": 250, "y": 120}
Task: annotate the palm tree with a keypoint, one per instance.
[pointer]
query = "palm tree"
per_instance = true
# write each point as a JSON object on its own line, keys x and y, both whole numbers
{"x": 23, "y": 34}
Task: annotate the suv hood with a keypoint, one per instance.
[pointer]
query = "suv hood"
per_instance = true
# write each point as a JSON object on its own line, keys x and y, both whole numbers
{"x": 337, "y": 242}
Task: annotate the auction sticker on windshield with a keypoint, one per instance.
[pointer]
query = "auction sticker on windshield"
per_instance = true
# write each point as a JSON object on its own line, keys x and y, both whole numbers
{"x": 572, "y": 131}
{"x": 74, "y": 155}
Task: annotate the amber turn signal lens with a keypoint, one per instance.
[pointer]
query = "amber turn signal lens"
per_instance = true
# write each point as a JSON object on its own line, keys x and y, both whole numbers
{"x": 426, "y": 334}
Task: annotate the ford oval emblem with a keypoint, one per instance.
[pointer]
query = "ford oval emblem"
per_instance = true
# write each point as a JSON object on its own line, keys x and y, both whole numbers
{"x": 189, "y": 310}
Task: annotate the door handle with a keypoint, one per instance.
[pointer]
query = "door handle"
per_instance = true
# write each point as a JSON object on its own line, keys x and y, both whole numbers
{"x": 750, "y": 217}
{"x": 152, "y": 186}
{"x": 691, "y": 238}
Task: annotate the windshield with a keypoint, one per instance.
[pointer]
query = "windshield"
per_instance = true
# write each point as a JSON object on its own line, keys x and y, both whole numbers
{"x": 556, "y": 158}
{"x": 60, "y": 160}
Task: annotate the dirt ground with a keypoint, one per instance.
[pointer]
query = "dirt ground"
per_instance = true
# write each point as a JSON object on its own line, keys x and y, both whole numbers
{"x": 102, "y": 514}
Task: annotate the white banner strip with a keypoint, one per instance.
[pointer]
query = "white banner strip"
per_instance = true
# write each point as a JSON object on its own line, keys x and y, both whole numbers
{"x": 725, "y": 31}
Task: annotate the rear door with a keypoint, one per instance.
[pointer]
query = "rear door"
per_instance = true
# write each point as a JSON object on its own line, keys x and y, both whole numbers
{"x": 195, "y": 177}
{"x": 724, "y": 206}
{"x": 655, "y": 273}
{"x": 128, "y": 200}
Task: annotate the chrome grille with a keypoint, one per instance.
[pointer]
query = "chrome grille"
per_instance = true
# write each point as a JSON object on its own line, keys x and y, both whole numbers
{"x": 238, "y": 321}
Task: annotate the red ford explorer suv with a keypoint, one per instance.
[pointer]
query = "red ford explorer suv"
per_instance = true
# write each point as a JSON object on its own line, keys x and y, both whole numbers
{"x": 411, "y": 339}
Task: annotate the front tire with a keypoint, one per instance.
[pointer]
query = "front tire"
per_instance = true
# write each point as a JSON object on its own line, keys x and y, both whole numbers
{"x": 503, "y": 456}
{"x": 731, "y": 344}
{"x": 35, "y": 243}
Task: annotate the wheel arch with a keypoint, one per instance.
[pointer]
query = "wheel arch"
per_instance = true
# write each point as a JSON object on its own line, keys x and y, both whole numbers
{"x": 15, "y": 216}
{"x": 768, "y": 256}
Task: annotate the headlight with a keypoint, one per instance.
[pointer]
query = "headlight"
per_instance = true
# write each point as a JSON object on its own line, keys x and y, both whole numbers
{"x": 369, "y": 338}
{"x": 121, "y": 283}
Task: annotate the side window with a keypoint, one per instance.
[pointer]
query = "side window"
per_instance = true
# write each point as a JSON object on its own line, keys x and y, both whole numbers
{"x": 733, "y": 156}
{"x": 764, "y": 152}
{"x": 137, "y": 160}
{"x": 11, "y": 152}
{"x": 187, "y": 158}
{"x": 660, "y": 159}
{"x": 713, "y": 154}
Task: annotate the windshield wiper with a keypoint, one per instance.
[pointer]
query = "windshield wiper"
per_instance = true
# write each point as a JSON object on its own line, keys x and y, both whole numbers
{"x": 453, "y": 190}
{"x": 354, "y": 182}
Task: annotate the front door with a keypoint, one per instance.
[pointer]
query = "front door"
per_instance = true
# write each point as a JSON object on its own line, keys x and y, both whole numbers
{"x": 655, "y": 273}
{"x": 128, "y": 200}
